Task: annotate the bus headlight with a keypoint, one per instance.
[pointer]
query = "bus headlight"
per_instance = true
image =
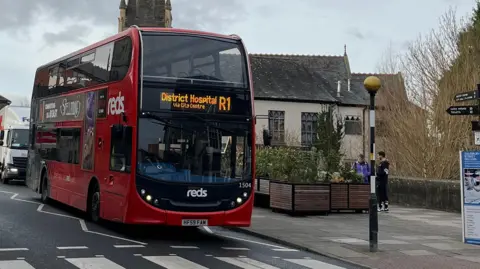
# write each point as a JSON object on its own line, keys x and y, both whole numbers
{"x": 148, "y": 198}
{"x": 239, "y": 200}
{"x": 245, "y": 195}
{"x": 142, "y": 192}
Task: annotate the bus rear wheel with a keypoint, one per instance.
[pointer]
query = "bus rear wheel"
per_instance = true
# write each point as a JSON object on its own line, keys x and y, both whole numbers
{"x": 94, "y": 203}
{"x": 45, "y": 190}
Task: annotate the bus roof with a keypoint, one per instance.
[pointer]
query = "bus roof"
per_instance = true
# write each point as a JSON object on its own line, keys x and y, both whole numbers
{"x": 133, "y": 28}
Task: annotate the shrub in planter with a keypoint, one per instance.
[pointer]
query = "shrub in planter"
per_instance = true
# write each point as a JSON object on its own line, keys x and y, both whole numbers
{"x": 295, "y": 186}
{"x": 263, "y": 169}
{"x": 348, "y": 191}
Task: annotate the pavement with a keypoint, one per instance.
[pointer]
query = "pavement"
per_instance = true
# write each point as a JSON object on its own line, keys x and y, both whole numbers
{"x": 38, "y": 236}
{"x": 408, "y": 237}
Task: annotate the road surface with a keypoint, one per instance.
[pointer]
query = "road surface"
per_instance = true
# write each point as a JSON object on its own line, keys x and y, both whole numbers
{"x": 38, "y": 236}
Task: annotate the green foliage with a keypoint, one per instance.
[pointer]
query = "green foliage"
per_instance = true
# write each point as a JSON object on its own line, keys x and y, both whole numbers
{"x": 288, "y": 164}
{"x": 329, "y": 138}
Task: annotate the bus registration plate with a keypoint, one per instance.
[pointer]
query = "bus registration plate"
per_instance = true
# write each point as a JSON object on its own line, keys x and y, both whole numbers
{"x": 194, "y": 222}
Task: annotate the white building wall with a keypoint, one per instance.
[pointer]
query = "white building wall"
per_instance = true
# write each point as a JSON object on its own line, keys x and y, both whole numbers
{"x": 353, "y": 144}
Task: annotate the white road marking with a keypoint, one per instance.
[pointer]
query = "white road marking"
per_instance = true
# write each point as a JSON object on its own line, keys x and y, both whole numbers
{"x": 102, "y": 263}
{"x": 313, "y": 264}
{"x": 99, "y": 256}
{"x": 250, "y": 241}
{"x": 285, "y": 250}
{"x": 20, "y": 258}
{"x": 61, "y": 257}
{"x": 13, "y": 249}
{"x": 73, "y": 247}
{"x": 184, "y": 247}
{"x": 128, "y": 246}
{"x": 8, "y": 192}
{"x": 228, "y": 248}
{"x": 15, "y": 264}
{"x": 40, "y": 209}
{"x": 246, "y": 263}
{"x": 85, "y": 229}
{"x": 82, "y": 222}
{"x": 208, "y": 229}
{"x": 137, "y": 255}
{"x": 173, "y": 262}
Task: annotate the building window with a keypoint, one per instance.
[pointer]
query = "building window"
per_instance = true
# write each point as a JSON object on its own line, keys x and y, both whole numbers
{"x": 276, "y": 125}
{"x": 353, "y": 125}
{"x": 309, "y": 127}
{"x": 348, "y": 163}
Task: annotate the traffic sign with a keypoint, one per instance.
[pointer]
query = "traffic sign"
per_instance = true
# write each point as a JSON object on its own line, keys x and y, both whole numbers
{"x": 466, "y": 96}
{"x": 463, "y": 110}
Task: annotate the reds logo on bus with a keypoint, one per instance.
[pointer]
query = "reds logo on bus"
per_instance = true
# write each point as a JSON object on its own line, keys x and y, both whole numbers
{"x": 115, "y": 105}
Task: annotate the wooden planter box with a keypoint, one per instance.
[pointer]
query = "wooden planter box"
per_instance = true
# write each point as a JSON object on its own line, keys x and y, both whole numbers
{"x": 349, "y": 196}
{"x": 262, "y": 186}
{"x": 262, "y": 192}
{"x": 359, "y": 196}
{"x": 298, "y": 199}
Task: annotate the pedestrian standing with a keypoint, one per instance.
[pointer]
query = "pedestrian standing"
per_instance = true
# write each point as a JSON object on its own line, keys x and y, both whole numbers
{"x": 382, "y": 178}
{"x": 361, "y": 167}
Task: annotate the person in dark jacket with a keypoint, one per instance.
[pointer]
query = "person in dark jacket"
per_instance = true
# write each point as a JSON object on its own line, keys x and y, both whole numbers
{"x": 382, "y": 179}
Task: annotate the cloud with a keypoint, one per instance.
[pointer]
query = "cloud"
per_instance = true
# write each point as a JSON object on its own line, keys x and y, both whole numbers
{"x": 73, "y": 34}
{"x": 355, "y": 32}
{"x": 205, "y": 14}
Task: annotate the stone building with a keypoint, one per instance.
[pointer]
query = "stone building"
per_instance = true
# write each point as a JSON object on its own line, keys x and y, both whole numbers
{"x": 145, "y": 13}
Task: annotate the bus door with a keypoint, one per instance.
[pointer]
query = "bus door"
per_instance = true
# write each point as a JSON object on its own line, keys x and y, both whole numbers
{"x": 117, "y": 180}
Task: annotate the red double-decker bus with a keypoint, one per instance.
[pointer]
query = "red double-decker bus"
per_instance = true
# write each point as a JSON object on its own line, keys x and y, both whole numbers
{"x": 150, "y": 126}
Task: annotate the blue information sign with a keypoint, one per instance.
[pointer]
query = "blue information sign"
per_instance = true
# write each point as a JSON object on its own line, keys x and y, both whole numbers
{"x": 470, "y": 185}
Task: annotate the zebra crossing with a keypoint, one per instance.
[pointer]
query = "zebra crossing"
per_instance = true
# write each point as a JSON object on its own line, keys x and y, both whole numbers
{"x": 176, "y": 262}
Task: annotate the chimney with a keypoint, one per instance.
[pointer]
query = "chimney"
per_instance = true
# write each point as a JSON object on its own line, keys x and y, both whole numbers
{"x": 339, "y": 85}
{"x": 348, "y": 84}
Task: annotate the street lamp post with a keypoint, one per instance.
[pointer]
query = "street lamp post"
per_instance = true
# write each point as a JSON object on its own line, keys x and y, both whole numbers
{"x": 372, "y": 84}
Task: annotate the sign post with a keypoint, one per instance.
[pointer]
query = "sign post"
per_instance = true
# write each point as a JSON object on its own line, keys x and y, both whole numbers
{"x": 470, "y": 189}
{"x": 471, "y": 110}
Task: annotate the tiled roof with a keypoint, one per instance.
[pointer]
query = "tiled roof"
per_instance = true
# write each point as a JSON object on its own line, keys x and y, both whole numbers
{"x": 289, "y": 77}
{"x": 393, "y": 85}
{"x": 314, "y": 78}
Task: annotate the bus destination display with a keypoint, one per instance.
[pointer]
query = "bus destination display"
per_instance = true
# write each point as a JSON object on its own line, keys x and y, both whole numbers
{"x": 196, "y": 102}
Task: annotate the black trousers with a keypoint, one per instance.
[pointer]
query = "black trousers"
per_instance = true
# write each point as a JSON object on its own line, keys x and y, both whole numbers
{"x": 382, "y": 191}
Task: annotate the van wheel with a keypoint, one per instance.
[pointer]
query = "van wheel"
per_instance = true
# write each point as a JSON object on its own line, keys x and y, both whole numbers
{"x": 45, "y": 189}
{"x": 2, "y": 177}
{"x": 94, "y": 203}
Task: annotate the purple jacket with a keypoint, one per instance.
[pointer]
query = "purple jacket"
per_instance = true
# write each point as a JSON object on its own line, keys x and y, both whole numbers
{"x": 362, "y": 169}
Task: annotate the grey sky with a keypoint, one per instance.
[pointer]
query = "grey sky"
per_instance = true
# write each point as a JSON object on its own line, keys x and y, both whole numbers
{"x": 35, "y": 32}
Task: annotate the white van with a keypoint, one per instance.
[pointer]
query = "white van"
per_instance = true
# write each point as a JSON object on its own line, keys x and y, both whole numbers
{"x": 14, "y": 132}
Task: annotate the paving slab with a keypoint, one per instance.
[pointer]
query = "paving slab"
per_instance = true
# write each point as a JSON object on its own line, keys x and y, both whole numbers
{"x": 408, "y": 237}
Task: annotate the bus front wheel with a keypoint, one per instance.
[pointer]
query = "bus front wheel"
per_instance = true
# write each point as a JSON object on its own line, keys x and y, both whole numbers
{"x": 94, "y": 203}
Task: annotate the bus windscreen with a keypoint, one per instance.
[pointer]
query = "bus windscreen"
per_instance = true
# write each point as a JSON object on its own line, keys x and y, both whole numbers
{"x": 189, "y": 149}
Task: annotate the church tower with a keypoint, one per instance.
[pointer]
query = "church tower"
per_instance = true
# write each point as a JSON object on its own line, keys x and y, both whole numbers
{"x": 145, "y": 13}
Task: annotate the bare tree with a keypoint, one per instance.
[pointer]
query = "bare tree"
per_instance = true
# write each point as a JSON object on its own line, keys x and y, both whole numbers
{"x": 422, "y": 138}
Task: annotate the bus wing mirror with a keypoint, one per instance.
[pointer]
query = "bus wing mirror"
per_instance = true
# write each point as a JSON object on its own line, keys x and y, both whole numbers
{"x": 1, "y": 142}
